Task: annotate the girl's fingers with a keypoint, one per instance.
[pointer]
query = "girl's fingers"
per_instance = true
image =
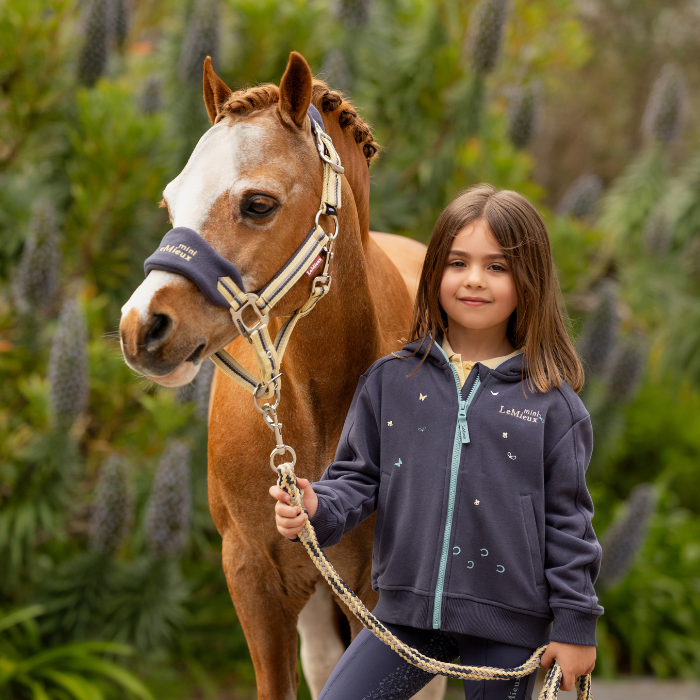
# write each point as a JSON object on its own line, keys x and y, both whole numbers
{"x": 278, "y": 493}
{"x": 286, "y": 511}
{"x": 289, "y": 523}
{"x": 289, "y": 534}
{"x": 302, "y": 483}
{"x": 567, "y": 682}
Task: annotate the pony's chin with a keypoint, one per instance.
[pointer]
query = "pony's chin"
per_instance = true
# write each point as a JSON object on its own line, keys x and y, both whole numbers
{"x": 184, "y": 374}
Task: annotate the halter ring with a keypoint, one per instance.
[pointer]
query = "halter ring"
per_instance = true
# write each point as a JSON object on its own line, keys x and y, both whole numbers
{"x": 283, "y": 449}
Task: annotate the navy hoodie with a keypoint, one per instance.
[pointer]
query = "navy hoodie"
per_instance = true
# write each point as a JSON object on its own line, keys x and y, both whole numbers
{"x": 483, "y": 515}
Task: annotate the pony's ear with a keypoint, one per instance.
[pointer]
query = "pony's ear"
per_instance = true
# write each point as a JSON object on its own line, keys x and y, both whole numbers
{"x": 216, "y": 92}
{"x": 295, "y": 90}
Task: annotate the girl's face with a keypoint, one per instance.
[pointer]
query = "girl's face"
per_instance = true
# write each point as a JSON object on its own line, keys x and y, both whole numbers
{"x": 477, "y": 289}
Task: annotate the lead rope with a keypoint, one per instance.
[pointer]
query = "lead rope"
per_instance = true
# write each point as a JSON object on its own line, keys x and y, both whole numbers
{"x": 268, "y": 357}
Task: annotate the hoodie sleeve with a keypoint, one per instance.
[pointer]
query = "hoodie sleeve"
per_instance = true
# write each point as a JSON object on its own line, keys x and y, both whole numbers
{"x": 572, "y": 551}
{"x": 347, "y": 491}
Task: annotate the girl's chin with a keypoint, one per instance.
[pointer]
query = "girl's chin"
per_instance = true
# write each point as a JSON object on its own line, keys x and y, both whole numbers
{"x": 184, "y": 374}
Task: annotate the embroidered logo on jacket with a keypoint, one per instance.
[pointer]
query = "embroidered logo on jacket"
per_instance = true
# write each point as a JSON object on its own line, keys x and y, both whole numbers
{"x": 527, "y": 414}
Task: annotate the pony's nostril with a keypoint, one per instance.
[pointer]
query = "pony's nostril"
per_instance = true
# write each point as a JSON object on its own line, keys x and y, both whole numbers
{"x": 158, "y": 332}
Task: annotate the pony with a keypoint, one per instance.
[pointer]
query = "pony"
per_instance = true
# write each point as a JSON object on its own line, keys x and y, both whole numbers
{"x": 251, "y": 189}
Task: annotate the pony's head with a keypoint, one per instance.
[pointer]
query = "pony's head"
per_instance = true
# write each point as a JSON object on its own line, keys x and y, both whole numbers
{"x": 251, "y": 189}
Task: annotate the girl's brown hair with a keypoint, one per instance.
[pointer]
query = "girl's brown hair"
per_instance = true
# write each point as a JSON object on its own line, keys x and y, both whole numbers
{"x": 540, "y": 323}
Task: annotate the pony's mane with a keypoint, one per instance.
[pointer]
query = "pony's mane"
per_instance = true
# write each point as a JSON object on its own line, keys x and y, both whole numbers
{"x": 243, "y": 102}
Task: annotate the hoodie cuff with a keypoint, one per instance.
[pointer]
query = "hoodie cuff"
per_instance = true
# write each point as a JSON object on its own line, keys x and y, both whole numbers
{"x": 324, "y": 522}
{"x": 574, "y": 627}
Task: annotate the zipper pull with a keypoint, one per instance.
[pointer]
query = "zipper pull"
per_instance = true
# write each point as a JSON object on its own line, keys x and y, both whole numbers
{"x": 462, "y": 421}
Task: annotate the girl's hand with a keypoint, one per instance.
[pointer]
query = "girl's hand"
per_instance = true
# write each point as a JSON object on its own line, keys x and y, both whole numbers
{"x": 290, "y": 520}
{"x": 575, "y": 660}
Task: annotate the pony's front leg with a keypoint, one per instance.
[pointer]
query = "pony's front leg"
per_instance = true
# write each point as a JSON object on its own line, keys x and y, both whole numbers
{"x": 268, "y": 613}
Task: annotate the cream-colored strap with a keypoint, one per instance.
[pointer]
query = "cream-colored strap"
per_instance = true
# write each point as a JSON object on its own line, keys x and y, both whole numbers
{"x": 331, "y": 176}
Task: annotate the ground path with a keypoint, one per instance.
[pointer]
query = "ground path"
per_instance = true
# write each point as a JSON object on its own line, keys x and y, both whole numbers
{"x": 631, "y": 688}
{"x": 636, "y": 689}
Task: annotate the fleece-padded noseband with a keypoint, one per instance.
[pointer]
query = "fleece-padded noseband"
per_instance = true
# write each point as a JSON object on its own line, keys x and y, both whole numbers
{"x": 185, "y": 252}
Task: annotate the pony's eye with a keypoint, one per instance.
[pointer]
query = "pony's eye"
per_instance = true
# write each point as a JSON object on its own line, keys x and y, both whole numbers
{"x": 258, "y": 206}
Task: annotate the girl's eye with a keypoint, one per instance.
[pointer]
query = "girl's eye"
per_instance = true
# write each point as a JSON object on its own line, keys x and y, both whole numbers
{"x": 258, "y": 206}
{"x": 500, "y": 267}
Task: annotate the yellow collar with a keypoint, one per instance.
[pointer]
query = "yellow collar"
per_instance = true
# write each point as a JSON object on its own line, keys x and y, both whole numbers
{"x": 464, "y": 367}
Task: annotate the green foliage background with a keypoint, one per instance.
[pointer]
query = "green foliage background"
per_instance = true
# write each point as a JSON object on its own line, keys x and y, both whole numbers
{"x": 101, "y": 157}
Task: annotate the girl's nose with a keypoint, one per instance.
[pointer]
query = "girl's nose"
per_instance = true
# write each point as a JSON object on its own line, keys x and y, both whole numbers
{"x": 473, "y": 277}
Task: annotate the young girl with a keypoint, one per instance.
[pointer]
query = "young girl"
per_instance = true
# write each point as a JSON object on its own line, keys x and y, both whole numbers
{"x": 472, "y": 446}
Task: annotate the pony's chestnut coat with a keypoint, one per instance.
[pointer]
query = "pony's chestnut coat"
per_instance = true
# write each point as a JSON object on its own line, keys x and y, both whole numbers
{"x": 261, "y": 142}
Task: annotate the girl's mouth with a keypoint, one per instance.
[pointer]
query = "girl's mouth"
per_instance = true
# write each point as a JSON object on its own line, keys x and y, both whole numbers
{"x": 474, "y": 302}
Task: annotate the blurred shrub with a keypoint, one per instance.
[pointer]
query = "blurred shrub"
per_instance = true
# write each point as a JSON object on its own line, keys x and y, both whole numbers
{"x": 581, "y": 198}
{"x": 169, "y": 507}
{"x": 67, "y": 672}
{"x": 38, "y": 273}
{"x": 67, "y": 368}
{"x": 665, "y": 109}
{"x": 522, "y": 114}
{"x": 94, "y": 53}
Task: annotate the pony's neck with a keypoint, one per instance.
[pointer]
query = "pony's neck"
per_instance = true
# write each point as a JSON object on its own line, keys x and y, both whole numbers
{"x": 355, "y": 165}
{"x": 341, "y": 338}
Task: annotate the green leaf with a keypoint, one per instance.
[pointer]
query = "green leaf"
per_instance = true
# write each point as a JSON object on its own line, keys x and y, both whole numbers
{"x": 110, "y": 670}
{"x": 78, "y": 687}
{"x": 76, "y": 650}
{"x": 20, "y": 616}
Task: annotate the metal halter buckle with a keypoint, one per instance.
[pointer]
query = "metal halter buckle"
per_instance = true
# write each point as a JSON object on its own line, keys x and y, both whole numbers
{"x": 238, "y": 318}
{"x": 322, "y": 152}
{"x": 320, "y": 281}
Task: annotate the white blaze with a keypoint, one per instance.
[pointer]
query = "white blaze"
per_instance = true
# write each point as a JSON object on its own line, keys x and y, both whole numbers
{"x": 141, "y": 298}
{"x": 211, "y": 170}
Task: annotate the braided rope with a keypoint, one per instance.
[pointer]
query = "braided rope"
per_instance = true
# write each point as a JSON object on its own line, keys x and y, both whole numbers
{"x": 287, "y": 481}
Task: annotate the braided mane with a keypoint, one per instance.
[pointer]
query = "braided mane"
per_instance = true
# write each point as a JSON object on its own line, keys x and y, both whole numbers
{"x": 248, "y": 100}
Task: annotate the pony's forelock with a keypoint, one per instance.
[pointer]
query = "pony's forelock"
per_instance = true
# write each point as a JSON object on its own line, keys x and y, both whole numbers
{"x": 252, "y": 99}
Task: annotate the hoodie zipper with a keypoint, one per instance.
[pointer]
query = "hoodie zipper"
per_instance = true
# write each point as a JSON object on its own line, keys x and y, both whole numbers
{"x": 461, "y": 437}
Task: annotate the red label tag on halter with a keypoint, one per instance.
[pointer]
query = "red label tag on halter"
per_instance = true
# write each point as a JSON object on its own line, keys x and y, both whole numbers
{"x": 314, "y": 266}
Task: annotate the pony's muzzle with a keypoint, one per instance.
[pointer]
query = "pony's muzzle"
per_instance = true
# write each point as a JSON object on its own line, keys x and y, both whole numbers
{"x": 144, "y": 344}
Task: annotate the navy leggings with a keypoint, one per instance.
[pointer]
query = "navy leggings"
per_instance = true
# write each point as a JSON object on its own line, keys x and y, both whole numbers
{"x": 370, "y": 670}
